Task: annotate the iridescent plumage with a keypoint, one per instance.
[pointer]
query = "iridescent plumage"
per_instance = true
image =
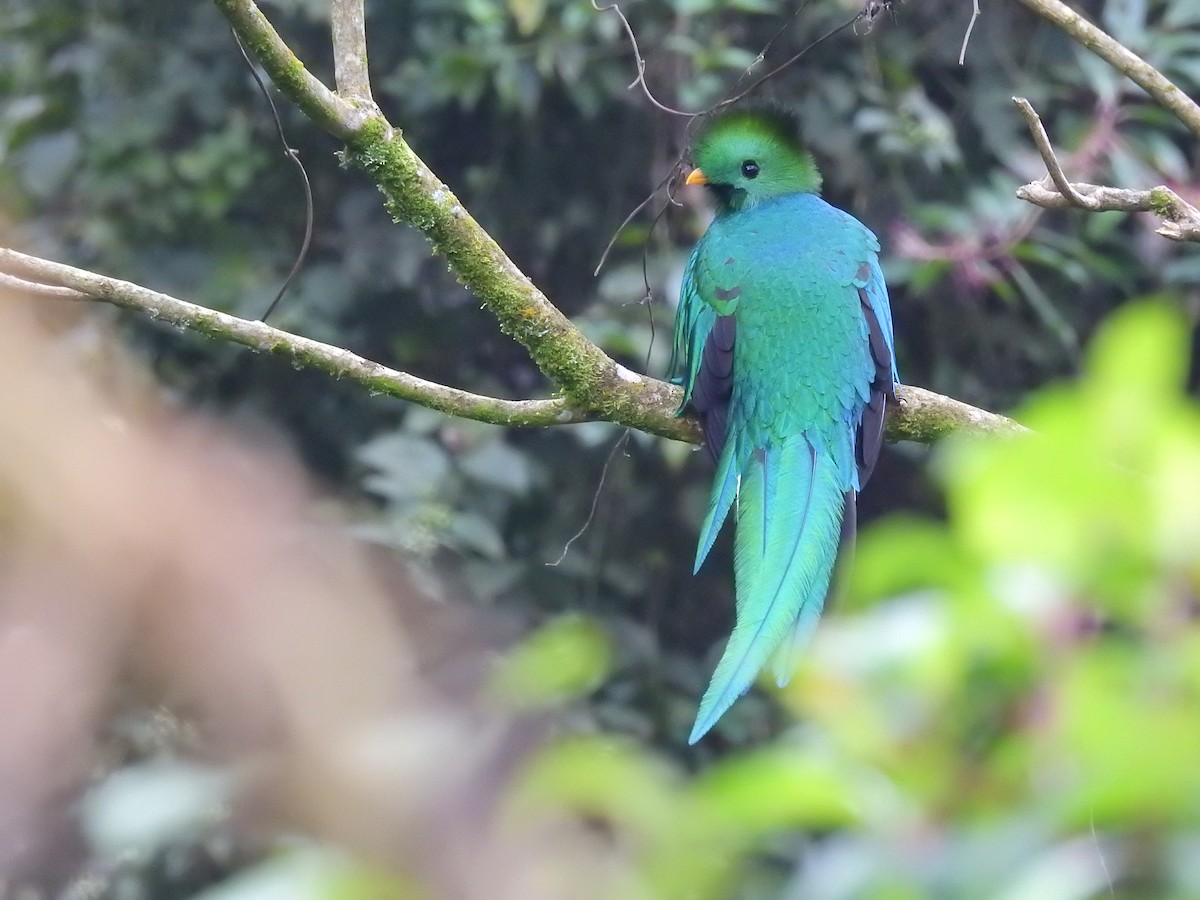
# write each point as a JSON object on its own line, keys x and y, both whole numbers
{"x": 783, "y": 344}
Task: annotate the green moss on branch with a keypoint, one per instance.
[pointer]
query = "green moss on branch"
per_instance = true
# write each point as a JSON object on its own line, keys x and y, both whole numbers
{"x": 413, "y": 194}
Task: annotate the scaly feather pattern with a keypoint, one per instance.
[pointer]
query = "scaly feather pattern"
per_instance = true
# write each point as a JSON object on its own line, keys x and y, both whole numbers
{"x": 783, "y": 343}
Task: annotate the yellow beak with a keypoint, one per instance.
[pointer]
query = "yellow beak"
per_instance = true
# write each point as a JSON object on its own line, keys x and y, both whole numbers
{"x": 696, "y": 177}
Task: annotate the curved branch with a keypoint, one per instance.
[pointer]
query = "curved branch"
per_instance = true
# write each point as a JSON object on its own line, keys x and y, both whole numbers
{"x": 592, "y": 383}
{"x": 1121, "y": 58}
{"x": 1041, "y": 140}
{"x": 587, "y": 377}
{"x": 45, "y": 278}
{"x": 1181, "y": 219}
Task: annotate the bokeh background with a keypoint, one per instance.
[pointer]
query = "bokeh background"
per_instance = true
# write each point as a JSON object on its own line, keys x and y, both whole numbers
{"x": 332, "y": 645}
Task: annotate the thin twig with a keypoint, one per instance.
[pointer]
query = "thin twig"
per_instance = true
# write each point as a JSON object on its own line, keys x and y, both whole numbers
{"x": 868, "y": 13}
{"x": 639, "y": 62}
{"x": 620, "y": 442}
{"x": 37, "y": 289}
{"x": 962, "y": 52}
{"x": 668, "y": 179}
{"x": 1042, "y": 141}
{"x": 294, "y": 156}
{"x": 1108, "y": 879}
{"x": 762, "y": 53}
{"x": 790, "y": 62}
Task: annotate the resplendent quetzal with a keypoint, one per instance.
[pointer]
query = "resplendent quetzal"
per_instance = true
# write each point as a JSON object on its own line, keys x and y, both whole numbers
{"x": 783, "y": 344}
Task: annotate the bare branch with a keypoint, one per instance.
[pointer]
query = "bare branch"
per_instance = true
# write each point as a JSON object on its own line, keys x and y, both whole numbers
{"x": 1097, "y": 197}
{"x": 36, "y": 289}
{"x": 1121, "y": 58}
{"x": 640, "y": 63}
{"x": 1042, "y": 141}
{"x": 46, "y": 278}
{"x": 962, "y": 51}
{"x": 1182, "y": 220}
{"x": 870, "y": 11}
{"x": 349, "y": 23}
{"x": 293, "y": 157}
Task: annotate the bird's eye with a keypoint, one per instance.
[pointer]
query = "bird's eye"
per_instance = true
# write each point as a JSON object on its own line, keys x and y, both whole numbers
{"x": 750, "y": 169}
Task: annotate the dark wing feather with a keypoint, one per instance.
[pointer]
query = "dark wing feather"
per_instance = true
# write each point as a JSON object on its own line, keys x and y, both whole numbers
{"x": 714, "y": 384}
{"x": 883, "y": 389}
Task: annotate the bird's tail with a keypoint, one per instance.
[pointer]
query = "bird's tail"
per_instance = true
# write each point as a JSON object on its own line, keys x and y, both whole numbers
{"x": 787, "y": 657}
{"x": 790, "y": 501}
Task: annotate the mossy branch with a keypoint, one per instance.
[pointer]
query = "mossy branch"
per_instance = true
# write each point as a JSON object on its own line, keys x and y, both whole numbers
{"x": 586, "y": 376}
{"x": 592, "y": 385}
{"x": 589, "y": 380}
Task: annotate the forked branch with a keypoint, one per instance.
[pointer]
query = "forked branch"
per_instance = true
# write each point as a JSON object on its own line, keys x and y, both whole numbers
{"x": 591, "y": 384}
{"x": 1181, "y": 220}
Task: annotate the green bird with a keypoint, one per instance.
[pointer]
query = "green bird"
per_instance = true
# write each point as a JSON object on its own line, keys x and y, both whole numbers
{"x": 783, "y": 345}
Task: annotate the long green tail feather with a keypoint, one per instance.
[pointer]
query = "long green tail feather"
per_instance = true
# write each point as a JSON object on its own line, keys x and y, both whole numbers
{"x": 788, "y": 524}
{"x": 724, "y": 492}
{"x": 787, "y": 657}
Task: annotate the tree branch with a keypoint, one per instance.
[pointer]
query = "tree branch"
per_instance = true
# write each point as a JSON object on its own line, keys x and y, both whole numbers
{"x": 594, "y": 387}
{"x": 1121, "y": 58}
{"x": 1181, "y": 219}
{"x": 325, "y": 108}
{"x": 349, "y": 23}
{"x": 38, "y": 289}
{"x": 962, "y": 52}
{"x": 920, "y": 416}
{"x": 45, "y": 278}
{"x": 1041, "y": 140}
{"x": 587, "y": 377}
{"x": 926, "y": 417}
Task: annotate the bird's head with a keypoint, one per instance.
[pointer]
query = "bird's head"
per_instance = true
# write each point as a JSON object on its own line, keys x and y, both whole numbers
{"x": 746, "y": 155}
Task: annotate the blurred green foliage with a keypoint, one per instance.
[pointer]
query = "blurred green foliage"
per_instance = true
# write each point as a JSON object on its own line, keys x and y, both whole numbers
{"x": 1008, "y": 704}
{"x": 1006, "y": 697}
